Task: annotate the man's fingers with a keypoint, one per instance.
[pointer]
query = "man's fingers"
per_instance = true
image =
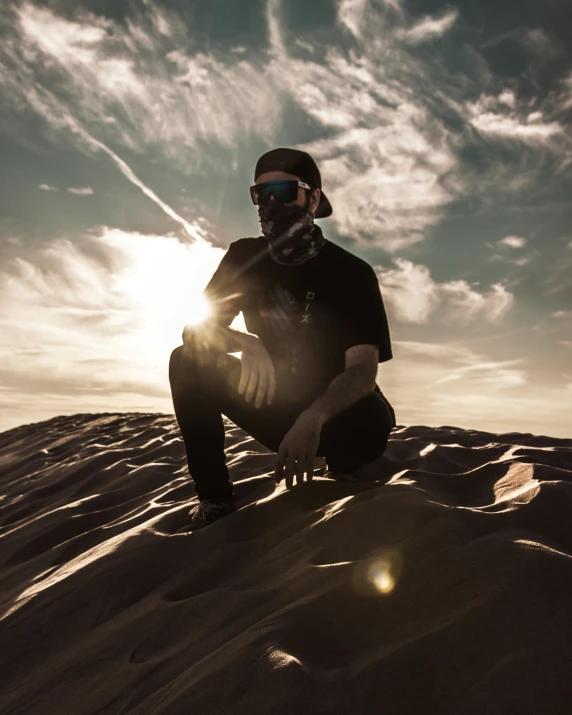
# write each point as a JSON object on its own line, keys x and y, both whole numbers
{"x": 244, "y": 377}
{"x": 311, "y": 463}
{"x": 279, "y": 467}
{"x": 251, "y": 388}
{"x": 289, "y": 471}
{"x": 300, "y": 470}
{"x": 262, "y": 387}
{"x": 271, "y": 386}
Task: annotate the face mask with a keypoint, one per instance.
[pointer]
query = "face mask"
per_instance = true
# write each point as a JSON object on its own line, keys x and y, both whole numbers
{"x": 293, "y": 237}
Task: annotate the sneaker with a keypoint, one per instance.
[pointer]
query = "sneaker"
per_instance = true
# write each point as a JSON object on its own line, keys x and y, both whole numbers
{"x": 208, "y": 511}
{"x": 380, "y": 470}
{"x": 351, "y": 477}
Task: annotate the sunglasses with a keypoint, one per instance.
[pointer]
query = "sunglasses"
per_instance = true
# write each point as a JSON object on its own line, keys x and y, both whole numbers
{"x": 285, "y": 191}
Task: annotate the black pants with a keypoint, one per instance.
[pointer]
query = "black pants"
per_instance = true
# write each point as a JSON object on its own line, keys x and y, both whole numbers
{"x": 203, "y": 391}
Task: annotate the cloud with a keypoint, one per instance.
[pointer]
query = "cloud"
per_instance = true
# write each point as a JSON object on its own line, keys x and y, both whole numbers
{"x": 351, "y": 14}
{"x": 513, "y": 241}
{"x": 354, "y": 14}
{"x": 109, "y": 306}
{"x": 556, "y": 279}
{"x": 457, "y": 383}
{"x": 384, "y": 153}
{"x": 124, "y": 85}
{"x": 538, "y": 42}
{"x": 464, "y": 305}
{"x": 501, "y": 116}
{"x": 413, "y": 297}
{"x": 508, "y": 97}
{"x": 455, "y": 362}
{"x": 47, "y": 187}
{"x": 491, "y": 374}
{"x": 81, "y": 191}
{"x": 125, "y": 79}
{"x": 392, "y": 124}
{"x": 58, "y": 116}
{"x": 541, "y": 43}
{"x": 384, "y": 181}
{"x": 429, "y": 28}
{"x": 529, "y": 128}
{"x": 520, "y": 144}
{"x": 566, "y": 94}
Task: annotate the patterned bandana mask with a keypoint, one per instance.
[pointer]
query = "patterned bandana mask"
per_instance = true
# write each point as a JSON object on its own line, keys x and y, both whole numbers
{"x": 293, "y": 237}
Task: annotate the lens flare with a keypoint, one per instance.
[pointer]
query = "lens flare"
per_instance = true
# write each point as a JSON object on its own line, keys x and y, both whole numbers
{"x": 379, "y": 573}
{"x": 381, "y": 576}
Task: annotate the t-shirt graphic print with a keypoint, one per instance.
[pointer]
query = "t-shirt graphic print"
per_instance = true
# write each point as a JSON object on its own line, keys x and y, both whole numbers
{"x": 286, "y": 315}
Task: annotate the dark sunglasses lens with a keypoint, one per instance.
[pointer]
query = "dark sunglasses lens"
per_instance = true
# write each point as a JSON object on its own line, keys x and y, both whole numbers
{"x": 285, "y": 191}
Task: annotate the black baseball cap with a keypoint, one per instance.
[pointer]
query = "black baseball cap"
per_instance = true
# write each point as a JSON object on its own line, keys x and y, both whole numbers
{"x": 299, "y": 163}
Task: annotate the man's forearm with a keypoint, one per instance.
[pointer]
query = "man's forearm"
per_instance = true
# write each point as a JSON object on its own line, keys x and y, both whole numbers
{"x": 345, "y": 389}
{"x": 220, "y": 337}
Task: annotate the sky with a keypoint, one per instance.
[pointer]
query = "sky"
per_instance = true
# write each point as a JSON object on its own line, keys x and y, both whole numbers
{"x": 129, "y": 133}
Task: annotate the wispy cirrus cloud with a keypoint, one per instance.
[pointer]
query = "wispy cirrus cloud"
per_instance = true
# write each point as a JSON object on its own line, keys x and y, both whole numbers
{"x": 384, "y": 152}
{"x": 530, "y": 128}
{"x": 392, "y": 150}
{"x": 536, "y": 41}
{"x": 127, "y": 81}
{"x": 566, "y": 93}
{"x": 389, "y": 161}
{"x": 458, "y": 383}
{"x": 504, "y": 116}
{"x": 429, "y": 28}
{"x": 60, "y": 119}
{"x": 81, "y": 190}
{"x": 455, "y": 362}
{"x": 522, "y": 144}
{"x": 490, "y": 374}
{"x": 506, "y": 246}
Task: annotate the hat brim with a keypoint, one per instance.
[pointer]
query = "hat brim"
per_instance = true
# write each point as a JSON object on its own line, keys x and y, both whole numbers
{"x": 324, "y": 207}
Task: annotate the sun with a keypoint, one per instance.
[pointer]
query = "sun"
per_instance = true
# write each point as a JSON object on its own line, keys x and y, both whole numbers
{"x": 198, "y": 311}
{"x": 160, "y": 288}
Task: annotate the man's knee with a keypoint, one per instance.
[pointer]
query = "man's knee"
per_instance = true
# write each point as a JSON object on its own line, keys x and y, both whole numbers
{"x": 175, "y": 360}
{"x": 180, "y": 356}
{"x": 192, "y": 352}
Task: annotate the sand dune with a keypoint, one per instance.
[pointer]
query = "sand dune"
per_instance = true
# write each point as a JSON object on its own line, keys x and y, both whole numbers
{"x": 445, "y": 590}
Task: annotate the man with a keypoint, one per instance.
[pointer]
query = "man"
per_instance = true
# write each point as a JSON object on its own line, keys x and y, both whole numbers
{"x": 305, "y": 384}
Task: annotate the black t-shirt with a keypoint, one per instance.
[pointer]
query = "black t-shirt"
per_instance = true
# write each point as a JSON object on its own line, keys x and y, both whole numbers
{"x": 307, "y": 316}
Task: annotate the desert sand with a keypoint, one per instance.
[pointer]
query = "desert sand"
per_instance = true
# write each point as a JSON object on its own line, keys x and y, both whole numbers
{"x": 443, "y": 589}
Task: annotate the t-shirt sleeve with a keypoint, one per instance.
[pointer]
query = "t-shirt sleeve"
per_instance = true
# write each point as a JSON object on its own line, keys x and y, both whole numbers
{"x": 364, "y": 316}
{"x": 224, "y": 291}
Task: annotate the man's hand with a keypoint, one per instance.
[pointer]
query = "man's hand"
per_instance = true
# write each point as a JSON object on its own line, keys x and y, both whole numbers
{"x": 257, "y": 372}
{"x": 298, "y": 449}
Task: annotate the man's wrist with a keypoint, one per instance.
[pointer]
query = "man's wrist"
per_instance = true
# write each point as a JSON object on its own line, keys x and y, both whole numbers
{"x": 345, "y": 390}
{"x": 230, "y": 340}
{"x": 246, "y": 339}
{"x": 316, "y": 413}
